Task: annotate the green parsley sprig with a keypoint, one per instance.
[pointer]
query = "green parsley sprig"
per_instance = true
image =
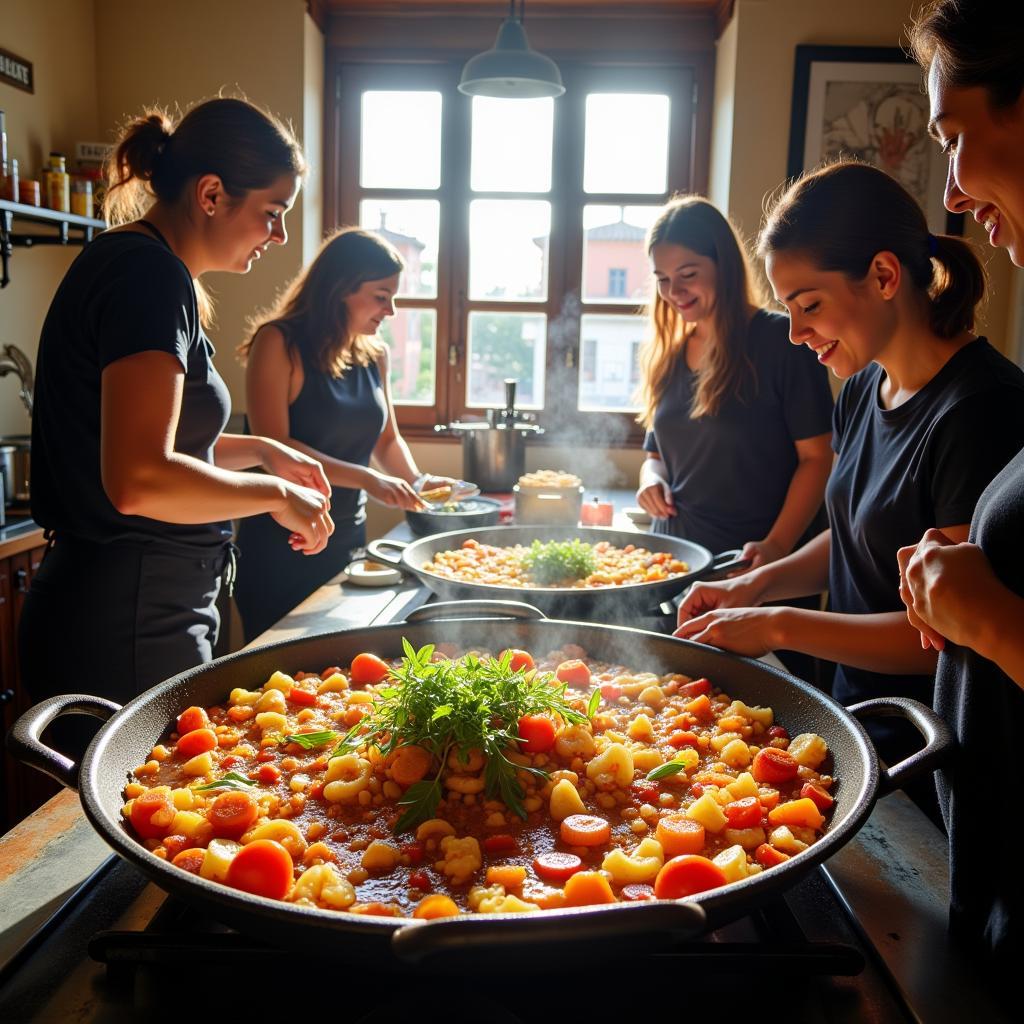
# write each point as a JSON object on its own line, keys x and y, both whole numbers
{"x": 311, "y": 740}
{"x": 458, "y": 705}
{"x": 559, "y": 561}
{"x": 231, "y": 780}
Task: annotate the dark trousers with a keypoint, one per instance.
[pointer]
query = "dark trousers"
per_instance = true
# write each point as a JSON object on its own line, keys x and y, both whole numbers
{"x": 112, "y": 620}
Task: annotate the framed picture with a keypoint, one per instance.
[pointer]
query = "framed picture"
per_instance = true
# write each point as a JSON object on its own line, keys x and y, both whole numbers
{"x": 869, "y": 102}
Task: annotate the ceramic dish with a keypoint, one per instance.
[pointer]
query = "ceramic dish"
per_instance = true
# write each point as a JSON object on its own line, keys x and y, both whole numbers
{"x": 364, "y": 572}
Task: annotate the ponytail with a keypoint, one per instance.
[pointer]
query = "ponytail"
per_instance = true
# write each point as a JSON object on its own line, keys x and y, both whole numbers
{"x": 840, "y": 216}
{"x": 134, "y": 164}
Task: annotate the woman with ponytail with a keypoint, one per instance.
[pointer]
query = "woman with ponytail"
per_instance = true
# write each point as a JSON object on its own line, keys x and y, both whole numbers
{"x": 132, "y": 475}
{"x": 967, "y": 598}
{"x": 928, "y": 415}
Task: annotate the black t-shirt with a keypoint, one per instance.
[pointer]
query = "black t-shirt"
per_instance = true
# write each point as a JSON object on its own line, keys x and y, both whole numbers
{"x": 985, "y": 709}
{"x": 125, "y": 293}
{"x": 901, "y": 471}
{"x": 729, "y": 473}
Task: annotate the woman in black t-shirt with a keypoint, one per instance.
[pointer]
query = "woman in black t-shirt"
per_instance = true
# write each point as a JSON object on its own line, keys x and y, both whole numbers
{"x": 132, "y": 476}
{"x": 737, "y": 418}
{"x": 928, "y": 415}
{"x": 967, "y": 599}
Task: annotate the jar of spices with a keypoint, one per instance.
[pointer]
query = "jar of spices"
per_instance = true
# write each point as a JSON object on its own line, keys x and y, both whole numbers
{"x": 28, "y": 192}
{"x": 81, "y": 197}
{"x": 58, "y": 184}
{"x": 9, "y": 182}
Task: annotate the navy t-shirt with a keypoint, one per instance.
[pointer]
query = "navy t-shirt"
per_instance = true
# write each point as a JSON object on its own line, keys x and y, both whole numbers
{"x": 125, "y": 293}
{"x": 985, "y": 709}
{"x": 729, "y": 472}
{"x": 901, "y": 471}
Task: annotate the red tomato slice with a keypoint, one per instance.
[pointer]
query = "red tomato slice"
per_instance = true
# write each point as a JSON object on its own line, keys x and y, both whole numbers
{"x": 536, "y": 733}
{"x": 772, "y": 765}
{"x": 192, "y": 718}
{"x": 696, "y": 688}
{"x": 557, "y": 867}
{"x": 521, "y": 660}
{"x": 263, "y": 868}
{"x": 367, "y": 669}
{"x": 304, "y": 698}
{"x": 745, "y": 813}
{"x": 686, "y": 876}
{"x": 501, "y": 843}
{"x": 198, "y": 741}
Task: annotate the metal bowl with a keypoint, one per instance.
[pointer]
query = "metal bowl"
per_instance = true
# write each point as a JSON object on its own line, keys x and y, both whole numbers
{"x": 463, "y": 515}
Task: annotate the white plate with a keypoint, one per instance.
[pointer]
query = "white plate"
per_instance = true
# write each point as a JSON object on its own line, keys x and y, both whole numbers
{"x": 379, "y": 576}
{"x": 637, "y": 516}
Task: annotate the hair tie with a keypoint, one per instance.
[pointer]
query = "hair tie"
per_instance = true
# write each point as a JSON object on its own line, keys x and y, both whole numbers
{"x": 933, "y": 245}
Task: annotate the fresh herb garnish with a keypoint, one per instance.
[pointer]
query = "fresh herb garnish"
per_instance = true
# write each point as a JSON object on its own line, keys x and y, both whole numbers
{"x": 232, "y": 780}
{"x": 559, "y": 561}
{"x": 467, "y": 704}
{"x": 680, "y": 763}
{"x": 310, "y": 740}
{"x": 595, "y": 702}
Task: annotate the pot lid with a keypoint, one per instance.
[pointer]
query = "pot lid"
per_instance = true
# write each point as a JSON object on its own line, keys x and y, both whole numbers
{"x": 532, "y": 428}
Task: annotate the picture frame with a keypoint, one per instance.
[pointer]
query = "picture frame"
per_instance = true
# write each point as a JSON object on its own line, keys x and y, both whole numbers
{"x": 869, "y": 102}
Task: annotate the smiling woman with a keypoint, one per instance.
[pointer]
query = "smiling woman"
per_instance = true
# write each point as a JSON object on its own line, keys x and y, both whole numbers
{"x": 131, "y": 473}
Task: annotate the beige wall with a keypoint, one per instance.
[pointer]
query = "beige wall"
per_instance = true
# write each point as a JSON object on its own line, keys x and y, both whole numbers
{"x": 753, "y": 95}
{"x": 61, "y": 112}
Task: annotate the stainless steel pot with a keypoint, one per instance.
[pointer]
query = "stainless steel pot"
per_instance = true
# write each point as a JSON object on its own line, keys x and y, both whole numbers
{"x": 577, "y": 936}
{"x": 15, "y": 459}
{"x": 494, "y": 450}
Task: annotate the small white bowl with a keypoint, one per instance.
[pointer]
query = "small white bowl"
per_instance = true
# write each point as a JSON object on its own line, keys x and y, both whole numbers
{"x": 638, "y": 516}
{"x": 364, "y": 572}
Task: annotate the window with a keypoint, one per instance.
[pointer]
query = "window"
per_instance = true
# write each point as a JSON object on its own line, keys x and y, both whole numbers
{"x": 521, "y": 223}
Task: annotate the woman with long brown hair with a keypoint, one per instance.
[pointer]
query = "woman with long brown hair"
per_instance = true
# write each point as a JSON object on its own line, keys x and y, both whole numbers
{"x": 318, "y": 379}
{"x": 132, "y": 475}
{"x": 737, "y": 419}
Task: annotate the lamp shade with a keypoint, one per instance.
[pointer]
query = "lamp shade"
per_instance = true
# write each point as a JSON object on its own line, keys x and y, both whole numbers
{"x": 511, "y": 70}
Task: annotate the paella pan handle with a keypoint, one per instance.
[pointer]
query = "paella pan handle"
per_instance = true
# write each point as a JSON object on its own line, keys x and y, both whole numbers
{"x": 376, "y": 549}
{"x": 25, "y": 744}
{"x": 638, "y": 927}
{"x": 938, "y": 738}
{"x": 475, "y": 610}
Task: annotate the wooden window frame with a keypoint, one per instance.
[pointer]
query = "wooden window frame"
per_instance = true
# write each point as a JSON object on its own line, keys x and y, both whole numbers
{"x": 686, "y": 76}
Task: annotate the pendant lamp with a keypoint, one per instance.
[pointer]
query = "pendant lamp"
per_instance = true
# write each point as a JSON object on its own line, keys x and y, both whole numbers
{"x": 511, "y": 70}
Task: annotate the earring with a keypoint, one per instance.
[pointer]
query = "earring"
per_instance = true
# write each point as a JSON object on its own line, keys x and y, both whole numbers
{"x": 209, "y": 211}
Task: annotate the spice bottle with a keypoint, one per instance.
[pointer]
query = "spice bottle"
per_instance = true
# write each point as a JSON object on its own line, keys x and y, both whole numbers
{"x": 9, "y": 181}
{"x": 81, "y": 197}
{"x": 58, "y": 185}
{"x": 7, "y": 191}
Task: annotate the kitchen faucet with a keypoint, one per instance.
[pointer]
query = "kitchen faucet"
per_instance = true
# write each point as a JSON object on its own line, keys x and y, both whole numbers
{"x": 15, "y": 361}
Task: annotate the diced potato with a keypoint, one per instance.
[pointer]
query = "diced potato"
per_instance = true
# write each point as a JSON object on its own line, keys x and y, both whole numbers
{"x": 707, "y": 811}
{"x": 640, "y": 728}
{"x": 182, "y": 799}
{"x": 652, "y": 696}
{"x": 784, "y": 840}
{"x": 272, "y": 700}
{"x": 380, "y": 856}
{"x": 219, "y": 855}
{"x": 736, "y": 754}
{"x": 733, "y": 862}
{"x": 612, "y": 768}
{"x": 763, "y": 715}
{"x": 642, "y": 865}
{"x": 647, "y": 758}
{"x": 199, "y": 765}
{"x": 242, "y": 696}
{"x": 565, "y": 800}
{"x": 743, "y": 786}
{"x": 192, "y": 826}
{"x": 748, "y": 838}
{"x": 722, "y": 740}
{"x": 333, "y": 684}
{"x": 809, "y": 749}
{"x": 271, "y": 721}
{"x": 279, "y": 681}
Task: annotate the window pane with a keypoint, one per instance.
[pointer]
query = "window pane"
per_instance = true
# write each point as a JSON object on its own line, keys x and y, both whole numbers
{"x": 508, "y": 249}
{"x": 609, "y": 362}
{"x": 410, "y": 335}
{"x": 400, "y": 142}
{"x": 412, "y": 227}
{"x": 626, "y": 143}
{"x": 615, "y": 264}
{"x": 511, "y": 145}
{"x": 506, "y": 345}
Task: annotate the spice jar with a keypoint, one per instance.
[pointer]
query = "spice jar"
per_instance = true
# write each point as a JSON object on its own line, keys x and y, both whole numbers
{"x": 28, "y": 192}
{"x": 9, "y": 182}
{"x": 58, "y": 184}
{"x": 81, "y": 197}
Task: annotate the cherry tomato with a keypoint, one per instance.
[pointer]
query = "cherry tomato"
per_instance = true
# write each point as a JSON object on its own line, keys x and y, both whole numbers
{"x": 367, "y": 669}
{"x": 262, "y": 867}
{"x": 521, "y": 661}
{"x": 773, "y": 765}
{"x": 695, "y": 688}
{"x": 745, "y": 813}
{"x": 574, "y": 672}
{"x": 536, "y": 733}
{"x": 778, "y": 732}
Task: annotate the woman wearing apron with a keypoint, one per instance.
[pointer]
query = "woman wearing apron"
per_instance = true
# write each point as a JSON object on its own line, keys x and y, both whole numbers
{"x": 317, "y": 379}
{"x": 132, "y": 476}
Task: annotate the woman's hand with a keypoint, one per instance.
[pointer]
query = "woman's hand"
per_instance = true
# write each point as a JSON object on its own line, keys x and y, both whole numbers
{"x": 741, "y": 592}
{"x": 294, "y": 466}
{"x": 305, "y": 515}
{"x": 944, "y": 586}
{"x": 393, "y": 491}
{"x": 656, "y": 499}
{"x": 760, "y": 552}
{"x": 749, "y": 631}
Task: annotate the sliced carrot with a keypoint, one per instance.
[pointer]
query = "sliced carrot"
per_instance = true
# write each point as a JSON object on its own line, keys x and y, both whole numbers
{"x": 585, "y": 830}
{"x": 521, "y": 660}
{"x": 435, "y": 905}
{"x": 587, "y": 888}
{"x": 152, "y": 813}
{"x": 377, "y": 909}
{"x": 232, "y": 813}
{"x": 190, "y": 860}
{"x": 192, "y": 718}
{"x": 241, "y": 713}
{"x": 686, "y": 876}
{"x": 175, "y": 844}
{"x": 411, "y": 764}
{"x": 768, "y": 857}
{"x": 696, "y": 688}
{"x": 368, "y": 668}
{"x": 574, "y": 672}
{"x": 745, "y": 813}
{"x": 556, "y": 866}
{"x": 262, "y": 867}
{"x": 198, "y": 741}
{"x": 802, "y": 813}
{"x": 822, "y": 800}
{"x": 772, "y": 765}
{"x": 304, "y": 698}
{"x": 511, "y": 876}
{"x": 683, "y": 739}
{"x": 268, "y": 774}
{"x": 679, "y": 834}
{"x": 699, "y": 707}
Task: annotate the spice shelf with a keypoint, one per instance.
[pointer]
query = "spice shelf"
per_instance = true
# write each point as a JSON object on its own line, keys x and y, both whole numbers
{"x": 71, "y": 229}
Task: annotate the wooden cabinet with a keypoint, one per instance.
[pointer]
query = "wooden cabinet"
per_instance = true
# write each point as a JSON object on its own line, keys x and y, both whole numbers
{"x": 24, "y": 789}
